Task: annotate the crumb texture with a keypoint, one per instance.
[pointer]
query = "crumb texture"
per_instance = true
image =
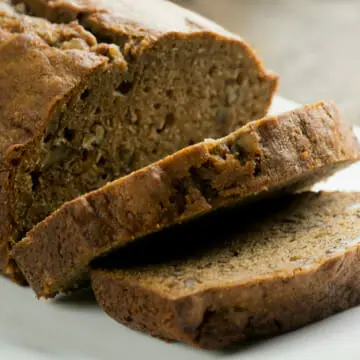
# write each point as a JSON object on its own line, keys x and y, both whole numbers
{"x": 246, "y": 273}
{"x": 264, "y": 158}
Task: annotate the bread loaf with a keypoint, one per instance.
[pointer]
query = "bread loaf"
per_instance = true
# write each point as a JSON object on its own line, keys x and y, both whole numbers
{"x": 106, "y": 92}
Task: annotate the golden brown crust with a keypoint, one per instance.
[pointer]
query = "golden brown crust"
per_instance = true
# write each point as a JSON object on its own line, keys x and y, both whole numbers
{"x": 307, "y": 286}
{"x": 136, "y": 25}
{"x": 26, "y": 106}
{"x": 140, "y": 20}
{"x": 277, "y": 154}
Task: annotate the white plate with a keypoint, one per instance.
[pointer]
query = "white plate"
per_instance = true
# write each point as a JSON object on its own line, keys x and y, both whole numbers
{"x": 76, "y": 328}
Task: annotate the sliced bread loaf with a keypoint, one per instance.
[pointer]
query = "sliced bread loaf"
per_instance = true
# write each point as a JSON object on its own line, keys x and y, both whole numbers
{"x": 77, "y": 112}
{"x": 272, "y": 155}
{"x": 241, "y": 275}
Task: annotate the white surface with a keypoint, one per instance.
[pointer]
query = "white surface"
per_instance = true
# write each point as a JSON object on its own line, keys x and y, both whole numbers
{"x": 76, "y": 328}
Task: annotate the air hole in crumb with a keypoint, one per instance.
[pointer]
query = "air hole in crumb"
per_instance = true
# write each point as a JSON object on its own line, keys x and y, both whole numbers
{"x": 257, "y": 170}
{"x": 97, "y": 110}
{"x": 101, "y": 161}
{"x": 47, "y": 138}
{"x": 169, "y": 121}
{"x": 147, "y": 89}
{"x": 189, "y": 91}
{"x": 81, "y": 17}
{"x": 128, "y": 319}
{"x": 35, "y": 175}
{"x": 191, "y": 142}
{"x": 240, "y": 79}
{"x": 85, "y": 94}
{"x": 125, "y": 87}
{"x": 154, "y": 151}
{"x": 85, "y": 155}
{"x": 104, "y": 176}
{"x": 212, "y": 70}
{"x": 69, "y": 134}
{"x": 236, "y": 253}
{"x": 170, "y": 93}
{"x": 157, "y": 106}
{"x": 15, "y": 162}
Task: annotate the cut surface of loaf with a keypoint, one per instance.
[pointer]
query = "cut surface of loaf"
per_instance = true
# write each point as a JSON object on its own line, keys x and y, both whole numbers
{"x": 87, "y": 101}
{"x": 240, "y": 275}
{"x": 276, "y": 154}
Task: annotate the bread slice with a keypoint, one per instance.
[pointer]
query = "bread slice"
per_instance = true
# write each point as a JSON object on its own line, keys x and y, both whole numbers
{"x": 242, "y": 275}
{"x": 78, "y": 111}
{"x": 273, "y": 155}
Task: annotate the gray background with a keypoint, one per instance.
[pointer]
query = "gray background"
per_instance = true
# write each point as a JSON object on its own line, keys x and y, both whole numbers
{"x": 313, "y": 44}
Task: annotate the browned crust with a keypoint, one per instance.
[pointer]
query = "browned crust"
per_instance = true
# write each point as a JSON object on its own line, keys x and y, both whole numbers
{"x": 222, "y": 313}
{"x": 263, "y": 307}
{"x": 114, "y": 20}
{"x": 52, "y": 76}
{"x": 284, "y": 153}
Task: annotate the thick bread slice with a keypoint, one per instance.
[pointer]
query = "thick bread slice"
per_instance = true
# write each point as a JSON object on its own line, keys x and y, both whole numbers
{"x": 77, "y": 112}
{"x": 243, "y": 275}
{"x": 284, "y": 153}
